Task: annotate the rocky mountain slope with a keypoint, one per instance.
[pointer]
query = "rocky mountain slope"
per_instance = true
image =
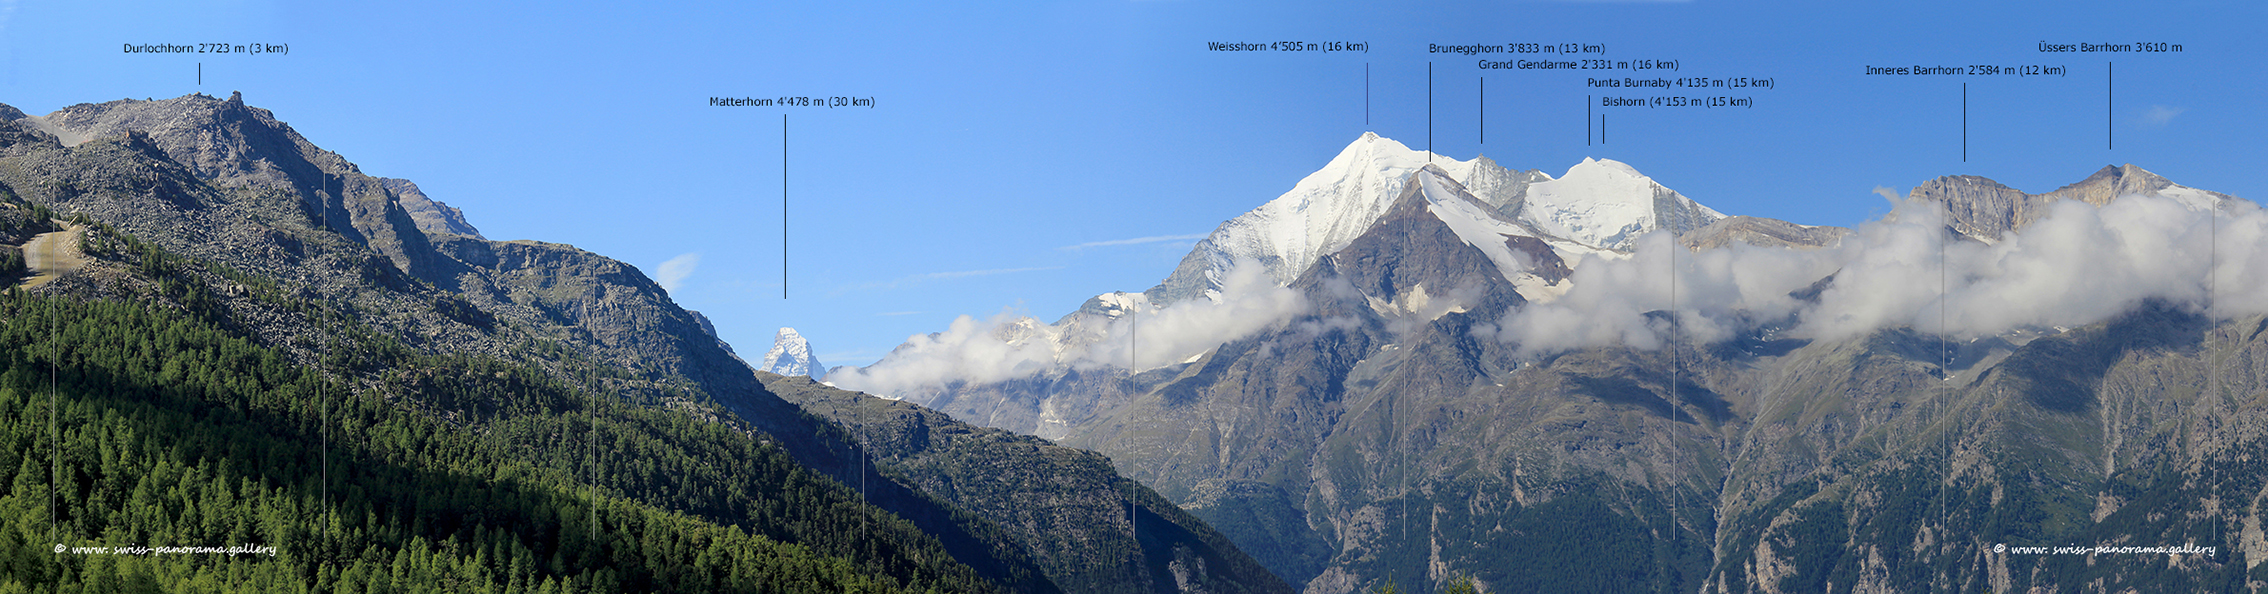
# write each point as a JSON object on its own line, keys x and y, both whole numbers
{"x": 1081, "y": 519}
{"x": 1983, "y": 209}
{"x": 431, "y": 215}
{"x": 220, "y": 210}
{"x": 1387, "y": 430}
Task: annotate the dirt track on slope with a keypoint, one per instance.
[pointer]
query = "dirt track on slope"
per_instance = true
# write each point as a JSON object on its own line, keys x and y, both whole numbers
{"x": 51, "y": 255}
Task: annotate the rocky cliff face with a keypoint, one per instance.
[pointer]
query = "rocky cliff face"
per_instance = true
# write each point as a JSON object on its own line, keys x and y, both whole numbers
{"x": 431, "y": 215}
{"x": 1984, "y": 209}
{"x": 245, "y": 150}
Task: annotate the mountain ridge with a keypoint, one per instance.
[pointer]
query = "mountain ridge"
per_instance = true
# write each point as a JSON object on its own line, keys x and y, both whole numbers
{"x": 1331, "y": 206}
{"x": 1986, "y": 210}
{"x": 218, "y": 211}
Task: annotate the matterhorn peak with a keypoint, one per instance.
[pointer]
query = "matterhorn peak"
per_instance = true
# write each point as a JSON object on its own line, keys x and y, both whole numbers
{"x": 791, "y": 355}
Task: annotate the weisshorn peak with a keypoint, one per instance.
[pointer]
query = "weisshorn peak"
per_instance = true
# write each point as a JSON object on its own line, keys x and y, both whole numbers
{"x": 791, "y": 355}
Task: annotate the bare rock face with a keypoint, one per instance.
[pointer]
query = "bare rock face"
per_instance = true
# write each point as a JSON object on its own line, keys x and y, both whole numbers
{"x": 2111, "y": 182}
{"x": 1762, "y": 232}
{"x": 246, "y": 150}
{"x": 431, "y": 215}
{"x": 1984, "y": 209}
{"x": 1979, "y": 207}
{"x": 1499, "y": 187}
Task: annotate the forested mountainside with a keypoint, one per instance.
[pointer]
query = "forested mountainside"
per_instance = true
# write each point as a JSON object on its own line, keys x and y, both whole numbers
{"x": 253, "y": 343}
{"x": 149, "y": 422}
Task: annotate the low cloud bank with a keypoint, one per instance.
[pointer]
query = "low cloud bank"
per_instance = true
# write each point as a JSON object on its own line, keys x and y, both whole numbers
{"x": 1250, "y": 301}
{"x": 972, "y": 350}
{"x": 2078, "y": 265}
{"x": 1010, "y": 345}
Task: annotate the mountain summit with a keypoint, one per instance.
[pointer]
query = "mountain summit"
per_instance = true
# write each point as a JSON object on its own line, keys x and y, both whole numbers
{"x": 791, "y": 355}
{"x": 1985, "y": 210}
{"x": 1606, "y": 204}
{"x": 1600, "y": 204}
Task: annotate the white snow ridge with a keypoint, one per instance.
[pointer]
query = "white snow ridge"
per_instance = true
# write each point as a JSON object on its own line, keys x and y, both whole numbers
{"x": 1606, "y": 204}
{"x": 791, "y": 355}
{"x": 1325, "y": 211}
{"x": 1601, "y": 204}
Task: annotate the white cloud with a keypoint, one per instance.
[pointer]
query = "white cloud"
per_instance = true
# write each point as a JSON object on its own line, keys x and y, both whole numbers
{"x": 969, "y": 349}
{"x": 1011, "y": 345}
{"x": 1715, "y": 292}
{"x": 1249, "y": 301}
{"x": 2078, "y": 265}
{"x": 2159, "y": 115}
{"x": 671, "y": 274}
{"x": 1134, "y": 241}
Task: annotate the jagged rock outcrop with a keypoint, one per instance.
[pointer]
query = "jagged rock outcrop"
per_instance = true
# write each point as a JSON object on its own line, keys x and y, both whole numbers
{"x": 1986, "y": 210}
{"x": 246, "y": 151}
{"x": 431, "y": 215}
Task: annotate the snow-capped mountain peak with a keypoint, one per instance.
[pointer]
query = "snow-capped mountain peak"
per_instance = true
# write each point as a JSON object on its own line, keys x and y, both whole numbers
{"x": 1331, "y": 206}
{"x": 1600, "y": 204}
{"x": 1321, "y": 214}
{"x": 1605, "y": 203}
{"x": 791, "y": 355}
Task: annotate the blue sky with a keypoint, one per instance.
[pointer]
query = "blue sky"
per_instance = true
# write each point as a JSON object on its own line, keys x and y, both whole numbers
{"x": 1032, "y": 155}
